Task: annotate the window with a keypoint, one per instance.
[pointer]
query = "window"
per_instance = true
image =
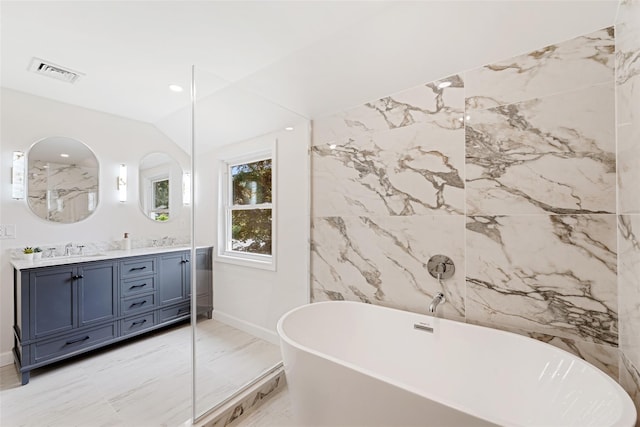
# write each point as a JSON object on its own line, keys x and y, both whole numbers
{"x": 247, "y": 214}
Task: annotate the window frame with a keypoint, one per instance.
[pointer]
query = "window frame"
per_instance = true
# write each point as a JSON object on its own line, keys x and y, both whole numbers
{"x": 226, "y": 208}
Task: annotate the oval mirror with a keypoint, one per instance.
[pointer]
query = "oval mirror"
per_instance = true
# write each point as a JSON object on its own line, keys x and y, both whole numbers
{"x": 62, "y": 184}
{"x": 160, "y": 184}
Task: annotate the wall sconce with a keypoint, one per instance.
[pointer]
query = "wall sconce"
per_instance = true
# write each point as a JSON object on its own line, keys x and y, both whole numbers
{"x": 17, "y": 176}
{"x": 122, "y": 183}
{"x": 186, "y": 188}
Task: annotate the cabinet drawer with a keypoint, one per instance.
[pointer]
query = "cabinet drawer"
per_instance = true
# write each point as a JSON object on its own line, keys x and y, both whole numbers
{"x": 136, "y": 286}
{"x": 137, "y": 267}
{"x": 137, "y": 304}
{"x": 73, "y": 342}
{"x": 182, "y": 310}
{"x": 139, "y": 323}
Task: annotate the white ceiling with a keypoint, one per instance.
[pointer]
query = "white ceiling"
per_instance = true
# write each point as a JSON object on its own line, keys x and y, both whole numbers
{"x": 261, "y": 65}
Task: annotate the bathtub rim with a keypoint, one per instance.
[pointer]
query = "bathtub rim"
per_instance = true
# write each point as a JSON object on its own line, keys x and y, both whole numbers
{"x": 629, "y": 413}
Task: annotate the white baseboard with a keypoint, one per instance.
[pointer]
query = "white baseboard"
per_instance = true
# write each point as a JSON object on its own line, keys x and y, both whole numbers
{"x": 6, "y": 358}
{"x": 243, "y": 325}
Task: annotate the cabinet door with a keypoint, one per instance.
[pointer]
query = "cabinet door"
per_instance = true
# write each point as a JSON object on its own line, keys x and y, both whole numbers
{"x": 98, "y": 292}
{"x": 52, "y": 300}
{"x": 171, "y": 277}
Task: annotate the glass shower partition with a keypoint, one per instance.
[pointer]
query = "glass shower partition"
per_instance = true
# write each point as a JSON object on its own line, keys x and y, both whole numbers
{"x": 250, "y": 198}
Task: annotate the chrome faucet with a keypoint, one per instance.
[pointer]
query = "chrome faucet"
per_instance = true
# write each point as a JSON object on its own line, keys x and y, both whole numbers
{"x": 437, "y": 300}
{"x": 68, "y": 248}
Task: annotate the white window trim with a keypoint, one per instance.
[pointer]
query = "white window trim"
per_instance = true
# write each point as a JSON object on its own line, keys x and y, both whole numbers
{"x": 223, "y": 254}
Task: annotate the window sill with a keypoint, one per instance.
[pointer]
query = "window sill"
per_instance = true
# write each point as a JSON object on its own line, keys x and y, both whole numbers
{"x": 246, "y": 262}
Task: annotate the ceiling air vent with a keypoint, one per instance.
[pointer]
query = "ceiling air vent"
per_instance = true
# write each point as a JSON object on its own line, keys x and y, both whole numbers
{"x": 44, "y": 68}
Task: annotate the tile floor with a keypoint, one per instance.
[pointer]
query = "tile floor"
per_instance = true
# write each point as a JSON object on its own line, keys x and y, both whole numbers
{"x": 143, "y": 382}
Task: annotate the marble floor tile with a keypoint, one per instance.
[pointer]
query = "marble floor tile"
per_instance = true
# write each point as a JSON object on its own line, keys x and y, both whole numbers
{"x": 416, "y": 170}
{"x": 547, "y": 155}
{"x": 275, "y": 412}
{"x": 142, "y": 382}
{"x": 569, "y": 65}
{"x": 555, "y": 275}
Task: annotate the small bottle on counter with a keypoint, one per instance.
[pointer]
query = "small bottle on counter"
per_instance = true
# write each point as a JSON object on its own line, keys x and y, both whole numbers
{"x": 126, "y": 242}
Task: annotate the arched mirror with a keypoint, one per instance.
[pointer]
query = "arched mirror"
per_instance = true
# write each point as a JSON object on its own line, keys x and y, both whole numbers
{"x": 62, "y": 180}
{"x": 160, "y": 184}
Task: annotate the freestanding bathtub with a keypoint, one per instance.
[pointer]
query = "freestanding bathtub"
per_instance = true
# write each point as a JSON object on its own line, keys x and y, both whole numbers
{"x": 356, "y": 364}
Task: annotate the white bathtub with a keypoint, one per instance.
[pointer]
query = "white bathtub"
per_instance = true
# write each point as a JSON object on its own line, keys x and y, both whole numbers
{"x": 350, "y": 363}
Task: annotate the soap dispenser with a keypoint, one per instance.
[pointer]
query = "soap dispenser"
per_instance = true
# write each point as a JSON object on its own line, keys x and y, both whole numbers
{"x": 126, "y": 242}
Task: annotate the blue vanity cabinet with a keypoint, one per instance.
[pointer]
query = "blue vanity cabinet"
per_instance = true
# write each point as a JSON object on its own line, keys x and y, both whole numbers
{"x": 97, "y": 292}
{"x": 61, "y": 311}
{"x": 53, "y": 299}
{"x": 174, "y": 277}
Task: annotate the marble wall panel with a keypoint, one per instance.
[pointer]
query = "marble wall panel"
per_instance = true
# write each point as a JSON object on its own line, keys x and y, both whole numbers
{"x": 628, "y": 105}
{"x": 548, "y": 274}
{"x": 511, "y": 171}
{"x": 629, "y": 285}
{"x": 630, "y": 381}
{"x": 414, "y": 170}
{"x": 565, "y": 66}
{"x": 420, "y": 104}
{"x": 546, "y": 155}
{"x": 382, "y": 260}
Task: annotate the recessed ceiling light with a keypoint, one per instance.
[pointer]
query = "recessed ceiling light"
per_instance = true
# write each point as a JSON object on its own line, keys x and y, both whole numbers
{"x": 288, "y": 128}
{"x": 175, "y": 88}
{"x": 442, "y": 85}
{"x": 65, "y": 155}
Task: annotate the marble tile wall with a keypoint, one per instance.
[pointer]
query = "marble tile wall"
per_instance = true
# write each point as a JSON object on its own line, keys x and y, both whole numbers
{"x": 510, "y": 170}
{"x": 628, "y": 138}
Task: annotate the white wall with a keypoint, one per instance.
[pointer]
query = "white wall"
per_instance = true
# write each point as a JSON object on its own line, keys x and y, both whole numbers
{"x": 26, "y": 119}
{"x": 249, "y": 298}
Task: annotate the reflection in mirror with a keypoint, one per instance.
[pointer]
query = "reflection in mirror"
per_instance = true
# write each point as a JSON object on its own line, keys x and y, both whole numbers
{"x": 160, "y": 186}
{"x": 62, "y": 180}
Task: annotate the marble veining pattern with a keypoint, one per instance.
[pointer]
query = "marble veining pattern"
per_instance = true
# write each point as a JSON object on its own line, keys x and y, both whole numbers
{"x": 628, "y": 105}
{"x": 569, "y": 65}
{"x": 425, "y": 103}
{"x": 549, "y": 274}
{"x": 382, "y": 260}
{"x": 630, "y": 381}
{"x": 416, "y": 170}
{"x": 61, "y": 192}
{"x": 537, "y": 135}
{"x": 553, "y": 155}
{"x": 629, "y": 285}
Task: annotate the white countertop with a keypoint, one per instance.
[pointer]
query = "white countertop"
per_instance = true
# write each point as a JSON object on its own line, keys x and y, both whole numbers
{"x": 22, "y": 264}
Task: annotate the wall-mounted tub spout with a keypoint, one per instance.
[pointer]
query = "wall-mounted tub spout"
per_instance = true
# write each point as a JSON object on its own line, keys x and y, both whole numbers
{"x": 437, "y": 300}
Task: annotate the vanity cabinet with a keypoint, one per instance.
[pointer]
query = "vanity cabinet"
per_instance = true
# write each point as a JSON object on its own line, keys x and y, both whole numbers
{"x": 65, "y": 310}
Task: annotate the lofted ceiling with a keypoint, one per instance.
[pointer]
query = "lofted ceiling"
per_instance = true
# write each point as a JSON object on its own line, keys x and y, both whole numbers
{"x": 262, "y": 65}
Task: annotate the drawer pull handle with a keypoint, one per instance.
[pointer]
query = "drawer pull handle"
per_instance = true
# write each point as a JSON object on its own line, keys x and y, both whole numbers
{"x": 86, "y": 337}
{"x": 138, "y": 304}
{"x": 138, "y": 268}
{"x": 184, "y": 261}
{"x": 78, "y": 276}
{"x": 138, "y": 286}
{"x": 139, "y": 322}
